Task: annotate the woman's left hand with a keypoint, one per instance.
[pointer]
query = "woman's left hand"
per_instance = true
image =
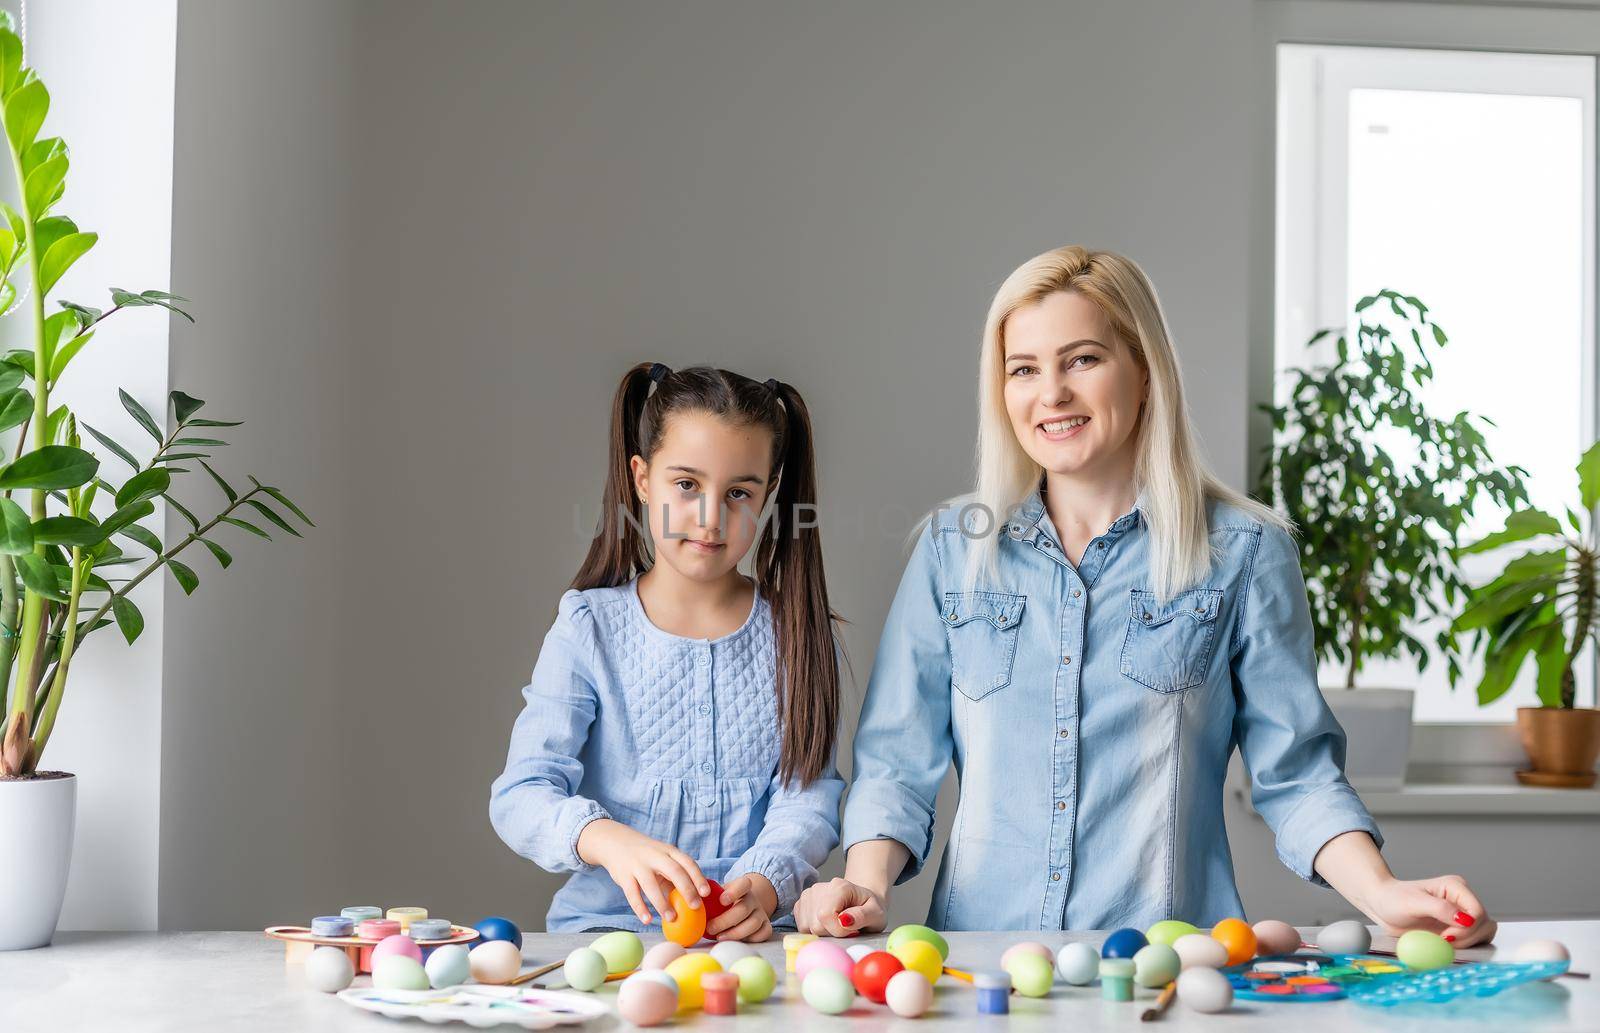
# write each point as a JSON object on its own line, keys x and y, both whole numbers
{"x": 748, "y": 916}
{"x": 1443, "y": 904}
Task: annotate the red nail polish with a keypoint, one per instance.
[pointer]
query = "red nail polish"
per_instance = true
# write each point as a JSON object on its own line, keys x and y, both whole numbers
{"x": 846, "y": 921}
{"x": 1450, "y": 937}
{"x": 1463, "y": 919}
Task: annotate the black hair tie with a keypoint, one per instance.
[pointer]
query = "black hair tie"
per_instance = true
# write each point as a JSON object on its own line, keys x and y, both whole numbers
{"x": 773, "y": 385}
{"x": 659, "y": 372}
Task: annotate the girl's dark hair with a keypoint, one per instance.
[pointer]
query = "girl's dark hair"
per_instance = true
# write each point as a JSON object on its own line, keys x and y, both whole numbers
{"x": 788, "y": 556}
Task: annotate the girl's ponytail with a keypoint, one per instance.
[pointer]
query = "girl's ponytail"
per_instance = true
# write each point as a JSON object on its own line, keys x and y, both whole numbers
{"x": 789, "y": 575}
{"x": 618, "y": 550}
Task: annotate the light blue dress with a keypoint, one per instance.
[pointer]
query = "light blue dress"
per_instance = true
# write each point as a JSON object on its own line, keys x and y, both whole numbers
{"x": 675, "y": 737}
{"x": 1091, "y": 725}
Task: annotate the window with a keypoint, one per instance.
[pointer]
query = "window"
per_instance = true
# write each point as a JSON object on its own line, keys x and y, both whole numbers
{"x": 1466, "y": 179}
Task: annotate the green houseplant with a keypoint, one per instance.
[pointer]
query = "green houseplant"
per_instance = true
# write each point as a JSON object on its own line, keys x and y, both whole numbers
{"x": 1544, "y": 604}
{"x": 1377, "y": 531}
{"x": 66, "y": 517}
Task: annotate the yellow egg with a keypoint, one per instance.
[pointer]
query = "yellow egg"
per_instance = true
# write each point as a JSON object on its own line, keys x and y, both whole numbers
{"x": 921, "y": 957}
{"x": 687, "y": 970}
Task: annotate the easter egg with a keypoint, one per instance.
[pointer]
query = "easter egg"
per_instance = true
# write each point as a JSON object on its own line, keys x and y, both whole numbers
{"x": 908, "y": 995}
{"x": 1168, "y": 931}
{"x": 329, "y": 969}
{"x": 872, "y": 974}
{"x": 1030, "y": 974}
{"x": 712, "y": 902}
{"x": 686, "y": 971}
{"x": 822, "y": 954}
{"x": 1078, "y": 963}
{"x": 398, "y": 972}
{"x": 1424, "y": 951}
{"x": 688, "y": 925}
{"x": 756, "y": 978}
{"x": 1275, "y": 937}
{"x": 1197, "y": 950}
{"x": 448, "y": 966}
{"x": 659, "y": 976}
{"x": 729, "y": 951}
{"x": 1236, "y": 935}
{"x": 1026, "y": 948}
{"x": 918, "y": 932}
{"x": 398, "y": 944}
{"x": 661, "y": 955}
{"x": 857, "y": 951}
{"x": 496, "y": 928}
{"x": 1346, "y": 937}
{"x": 828, "y": 990}
{"x": 585, "y": 969}
{"x": 1540, "y": 950}
{"x": 622, "y": 950}
{"x": 1204, "y": 990}
{"x": 1155, "y": 964}
{"x": 495, "y": 962}
{"x": 921, "y": 957}
{"x": 1124, "y": 943}
{"x": 644, "y": 1001}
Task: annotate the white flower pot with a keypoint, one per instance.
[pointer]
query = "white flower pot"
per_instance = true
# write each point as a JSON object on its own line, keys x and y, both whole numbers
{"x": 36, "y": 822}
{"x": 1377, "y": 727}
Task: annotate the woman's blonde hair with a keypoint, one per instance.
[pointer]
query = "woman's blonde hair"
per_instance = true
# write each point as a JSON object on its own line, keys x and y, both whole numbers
{"x": 1169, "y": 471}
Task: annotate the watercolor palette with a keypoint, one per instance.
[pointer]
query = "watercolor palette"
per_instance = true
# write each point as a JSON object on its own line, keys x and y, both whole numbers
{"x": 1370, "y": 979}
{"x": 481, "y": 1006}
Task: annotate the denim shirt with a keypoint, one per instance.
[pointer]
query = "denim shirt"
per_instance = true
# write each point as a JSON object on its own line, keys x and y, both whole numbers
{"x": 675, "y": 737}
{"x": 1091, "y": 725}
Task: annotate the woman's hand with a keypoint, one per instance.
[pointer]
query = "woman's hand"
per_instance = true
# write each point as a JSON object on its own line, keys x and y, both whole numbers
{"x": 750, "y": 901}
{"x": 1444, "y": 905}
{"x": 642, "y": 867}
{"x": 839, "y": 907}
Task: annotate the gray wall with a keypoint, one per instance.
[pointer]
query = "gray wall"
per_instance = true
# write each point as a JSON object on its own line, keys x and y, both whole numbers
{"x": 425, "y": 240}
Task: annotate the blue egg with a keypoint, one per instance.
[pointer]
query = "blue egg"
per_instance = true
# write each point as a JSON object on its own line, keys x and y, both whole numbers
{"x": 497, "y": 928}
{"x": 1124, "y": 943}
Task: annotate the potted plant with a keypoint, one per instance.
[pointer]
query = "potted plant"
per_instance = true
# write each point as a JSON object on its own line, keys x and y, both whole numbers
{"x": 64, "y": 517}
{"x": 1544, "y": 605}
{"x": 1377, "y": 531}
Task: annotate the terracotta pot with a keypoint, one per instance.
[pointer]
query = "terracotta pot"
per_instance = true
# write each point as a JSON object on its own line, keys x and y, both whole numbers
{"x": 1561, "y": 742}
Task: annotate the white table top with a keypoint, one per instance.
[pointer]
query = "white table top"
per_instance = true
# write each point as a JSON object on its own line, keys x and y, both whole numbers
{"x": 224, "y": 981}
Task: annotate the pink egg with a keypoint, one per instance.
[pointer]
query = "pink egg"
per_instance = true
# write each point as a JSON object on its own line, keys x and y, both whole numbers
{"x": 398, "y": 944}
{"x": 908, "y": 994}
{"x": 661, "y": 955}
{"x": 646, "y": 1001}
{"x": 822, "y": 954}
{"x": 1275, "y": 937}
{"x": 1026, "y": 948}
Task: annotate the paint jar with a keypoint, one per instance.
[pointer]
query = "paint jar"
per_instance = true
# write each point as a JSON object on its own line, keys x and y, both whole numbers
{"x": 406, "y": 915}
{"x": 373, "y": 929}
{"x": 429, "y": 929}
{"x": 1116, "y": 979}
{"x": 791, "y": 946}
{"x": 361, "y": 912}
{"x": 720, "y": 992}
{"x": 332, "y": 925}
{"x": 994, "y": 992}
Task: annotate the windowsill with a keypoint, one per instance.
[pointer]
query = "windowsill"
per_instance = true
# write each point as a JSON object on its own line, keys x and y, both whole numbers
{"x": 1447, "y": 790}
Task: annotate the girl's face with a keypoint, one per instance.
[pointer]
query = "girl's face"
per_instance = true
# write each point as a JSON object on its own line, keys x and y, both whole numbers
{"x": 1072, "y": 390}
{"x": 703, "y": 491}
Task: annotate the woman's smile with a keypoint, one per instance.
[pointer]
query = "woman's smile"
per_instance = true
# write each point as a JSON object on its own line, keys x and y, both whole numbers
{"x": 1061, "y": 428}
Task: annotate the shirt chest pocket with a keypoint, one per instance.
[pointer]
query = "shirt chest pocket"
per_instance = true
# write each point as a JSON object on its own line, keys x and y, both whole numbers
{"x": 1169, "y": 644}
{"x": 982, "y": 628}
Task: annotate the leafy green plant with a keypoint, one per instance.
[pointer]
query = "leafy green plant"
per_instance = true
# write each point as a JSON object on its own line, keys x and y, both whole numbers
{"x": 1377, "y": 535}
{"x": 59, "y": 554}
{"x": 1544, "y": 602}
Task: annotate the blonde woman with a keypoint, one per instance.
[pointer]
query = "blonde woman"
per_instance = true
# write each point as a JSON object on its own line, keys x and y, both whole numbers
{"x": 1089, "y": 637}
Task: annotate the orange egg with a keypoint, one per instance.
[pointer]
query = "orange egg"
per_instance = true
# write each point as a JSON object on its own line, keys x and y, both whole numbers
{"x": 689, "y": 925}
{"x": 1236, "y": 935}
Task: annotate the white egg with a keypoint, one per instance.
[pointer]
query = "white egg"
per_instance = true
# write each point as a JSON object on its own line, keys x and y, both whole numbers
{"x": 449, "y": 965}
{"x": 729, "y": 951}
{"x": 1197, "y": 950}
{"x": 1540, "y": 950}
{"x": 1204, "y": 989}
{"x": 1078, "y": 963}
{"x": 495, "y": 962}
{"x": 329, "y": 969}
{"x": 1346, "y": 937}
{"x": 857, "y": 951}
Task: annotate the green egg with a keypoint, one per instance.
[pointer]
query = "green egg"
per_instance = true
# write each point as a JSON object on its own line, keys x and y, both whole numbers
{"x": 918, "y": 932}
{"x": 1031, "y": 974}
{"x": 622, "y": 950}
{"x": 756, "y": 979}
{"x": 1155, "y": 965}
{"x": 1167, "y": 932}
{"x": 1422, "y": 950}
{"x": 585, "y": 969}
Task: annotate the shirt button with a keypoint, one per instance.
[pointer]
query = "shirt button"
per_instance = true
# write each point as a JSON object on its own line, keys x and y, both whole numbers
{"x": 706, "y": 766}
{"x": 1076, "y": 593}
{"x": 1055, "y": 876}
{"x": 1066, "y": 659}
{"x": 1047, "y": 543}
{"x": 1064, "y": 733}
{"x": 705, "y": 708}
{"x": 1061, "y": 805}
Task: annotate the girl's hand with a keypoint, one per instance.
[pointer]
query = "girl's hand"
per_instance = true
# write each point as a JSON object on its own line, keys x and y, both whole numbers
{"x": 642, "y": 867}
{"x": 750, "y": 901}
{"x": 1443, "y": 905}
{"x": 839, "y": 907}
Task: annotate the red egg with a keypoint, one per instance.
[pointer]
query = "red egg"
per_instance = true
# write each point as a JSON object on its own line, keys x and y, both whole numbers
{"x": 872, "y": 974}
{"x": 713, "y": 901}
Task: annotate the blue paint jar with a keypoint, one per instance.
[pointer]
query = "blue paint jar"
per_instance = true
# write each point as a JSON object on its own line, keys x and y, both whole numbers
{"x": 994, "y": 992}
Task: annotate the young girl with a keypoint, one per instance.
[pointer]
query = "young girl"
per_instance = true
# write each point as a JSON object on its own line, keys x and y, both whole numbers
{"x": 680, "y": 723}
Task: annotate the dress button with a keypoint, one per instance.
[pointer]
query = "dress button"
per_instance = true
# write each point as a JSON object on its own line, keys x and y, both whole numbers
{"x": 703, "y": 660}
{"x": 706, "y": 766}
{"x": 705, "y": 708}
